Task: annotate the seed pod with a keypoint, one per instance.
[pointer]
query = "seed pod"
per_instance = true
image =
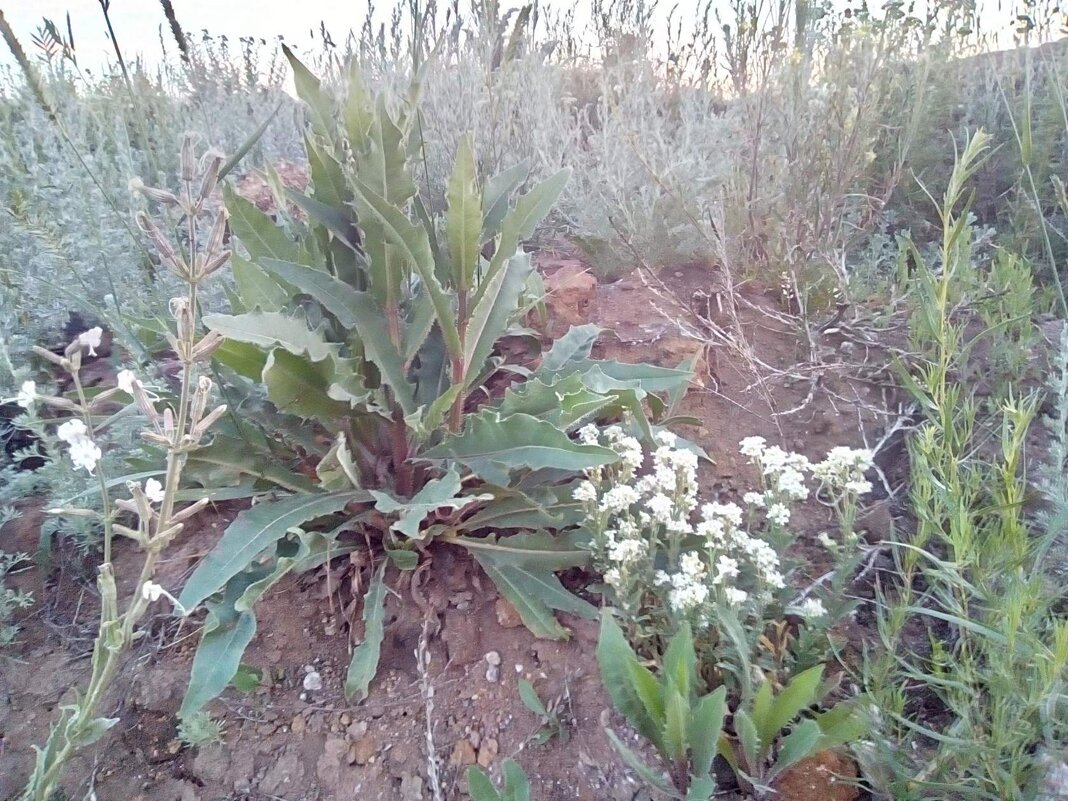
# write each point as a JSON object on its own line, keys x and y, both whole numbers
{"x": 210, "y": 163}
{"x": 188, "y": 162}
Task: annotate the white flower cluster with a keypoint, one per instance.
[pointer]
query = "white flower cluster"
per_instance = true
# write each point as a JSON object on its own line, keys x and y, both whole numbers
{"x": 645, "y": 537}
{"x": 843, "y": 470}
{"x": 83, "y": 451}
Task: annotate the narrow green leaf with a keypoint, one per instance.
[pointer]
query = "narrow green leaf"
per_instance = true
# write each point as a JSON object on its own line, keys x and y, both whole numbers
{"x": 498, "y": 190}
{"x": 647, "y": 774}
{"x": 310, "y": 90}
{"x": 516, "y": 785}
{"x": 364, "y": 664}
{"x": 267, "y": 329}
{"x": 634, "y": 691}
{"x": 217, "y": 659}
{"x": 529, "y": 696}
{"x": 522, "y": 567}
{"x": 706, "y": 727}
{"x": 479, "y": 787}
{"x": 254, "y": 530}
{"x": 490, "y": 317}
{"x": 799, "y": 744}
{"x": 676, "y": 724}
{"x": 412, "y": 240}
{"x": 435, "y": 494}
{"x": 464, "y": 224}
{"x": 680, "y": 662}
{"x": 248, "y": 144}
{"x": 256, "y": 231}
{"x": 799, "y": 694}
{"x": 752, "y": 747}
{"x": 520, "y": 222}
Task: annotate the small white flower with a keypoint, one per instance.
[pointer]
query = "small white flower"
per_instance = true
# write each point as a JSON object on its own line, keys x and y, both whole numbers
{"x": 154, "y": 491}
{"x": 585, "y": 492}
{"x": 151, "y": 591}
{"x": 27, "y": 394}
{"x": 811, "y": 608}
{"x": 754, "y": 499}
{"x": 71, "y": 430}
{"x": 126, "y": 380}
{"x": 753, "y": 447}
{"x": 661, "y": 508}
{"x": 589, "y": 435}
{"x": 84, "y": 453}
{"x": 726, "y": 568}
{"x": 779, "y": 514}
{"x": 735, "y": 596}
{"x": 858, "y": 486}
{"x": 667, "y": 439}
{"x": 91, "y": 339}
{"x": 618, "y": 499}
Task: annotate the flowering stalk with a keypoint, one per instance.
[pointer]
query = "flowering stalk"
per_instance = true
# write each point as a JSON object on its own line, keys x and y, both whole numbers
{"x": 178, "y": 430}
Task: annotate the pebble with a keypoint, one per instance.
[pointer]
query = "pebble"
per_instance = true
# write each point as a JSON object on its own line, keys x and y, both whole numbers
{"x": 463, "y": 754}
{"x": 493, "y": 658}
{"x": 488, "y": 752}
{"x": 363, "y": 749}
{"x": 298, "y": 725}
{"x": 313, "y": 682}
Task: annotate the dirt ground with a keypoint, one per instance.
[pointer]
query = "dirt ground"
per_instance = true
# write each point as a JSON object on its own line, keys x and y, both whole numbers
{"x": 756, "y": 376}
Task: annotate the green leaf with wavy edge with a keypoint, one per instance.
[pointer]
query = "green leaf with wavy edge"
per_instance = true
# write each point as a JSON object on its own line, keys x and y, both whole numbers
{"x": 551, "y": 507}
{"x": 268, "y": 329}
{"x": 464, "y": 220}
{"x": 256, "y": 289}
{"x": 772, "y": 716}
{"x": 256, "y": 231}
{"x": 801, "y": 743}
{"x": 435, "y": 494}
{"x": 299, "y": 386}
{"x": 364, "y": 664}
{"x": 495, "y": 197}
{"x": 706, "y": 727}
{"x": 223, "y": 640}
{"x": 358, "y": 312}
{"x": 522, "y": 567}
{"x": 492, "y": 446}
{"x": 252, "y": 532}
{"x": 570, "y": 350}
{"x": 234, "y": 454}
{"x": 634, "y": 691}
{"x": 479, "y": 786}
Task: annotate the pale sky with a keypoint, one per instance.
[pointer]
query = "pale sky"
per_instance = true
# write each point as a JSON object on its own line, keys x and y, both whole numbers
{"x": 137, "y": 21}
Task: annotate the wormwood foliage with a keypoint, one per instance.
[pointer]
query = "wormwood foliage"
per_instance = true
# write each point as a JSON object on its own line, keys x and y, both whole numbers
{"x": 375, "y": 324}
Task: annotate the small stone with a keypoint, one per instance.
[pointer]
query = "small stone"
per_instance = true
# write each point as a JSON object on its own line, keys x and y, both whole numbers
{"x": 507, "y": 616}
{"x": 463, "y": 754}
{"x": 493, "y": 659}
{"x": 493, "y": 674}
{"x": 357, "y": 729}
{"x": 411, "y": 788}
{"x": 313, "y": 682}
{"x": 346, "y": 718}
{"x": 298, "y": 725}
{"x": 488, "y": 752}
{"x": 363, "y": 749}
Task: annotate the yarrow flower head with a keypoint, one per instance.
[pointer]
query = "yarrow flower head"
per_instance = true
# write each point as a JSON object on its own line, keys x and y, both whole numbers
{"x": 811, "y": 608}
{"x": 27, "y": 394}
{"x": 91, "y": 339}
{"x": 585, "y": 492}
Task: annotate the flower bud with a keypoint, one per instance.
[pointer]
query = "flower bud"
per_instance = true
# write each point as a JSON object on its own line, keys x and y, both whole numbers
{"x": 44, "y": 353}
{"x": 209, "y": 169}
{"x": 202, "y": 427}
{"x": 154, "y": 194}
{"x": 189, "y": 511}
{"x": 188, "y": 162}
{"x": 207, "y": 346}
{"x": 167, "y": 254}
{"x": 213, "y": 263}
